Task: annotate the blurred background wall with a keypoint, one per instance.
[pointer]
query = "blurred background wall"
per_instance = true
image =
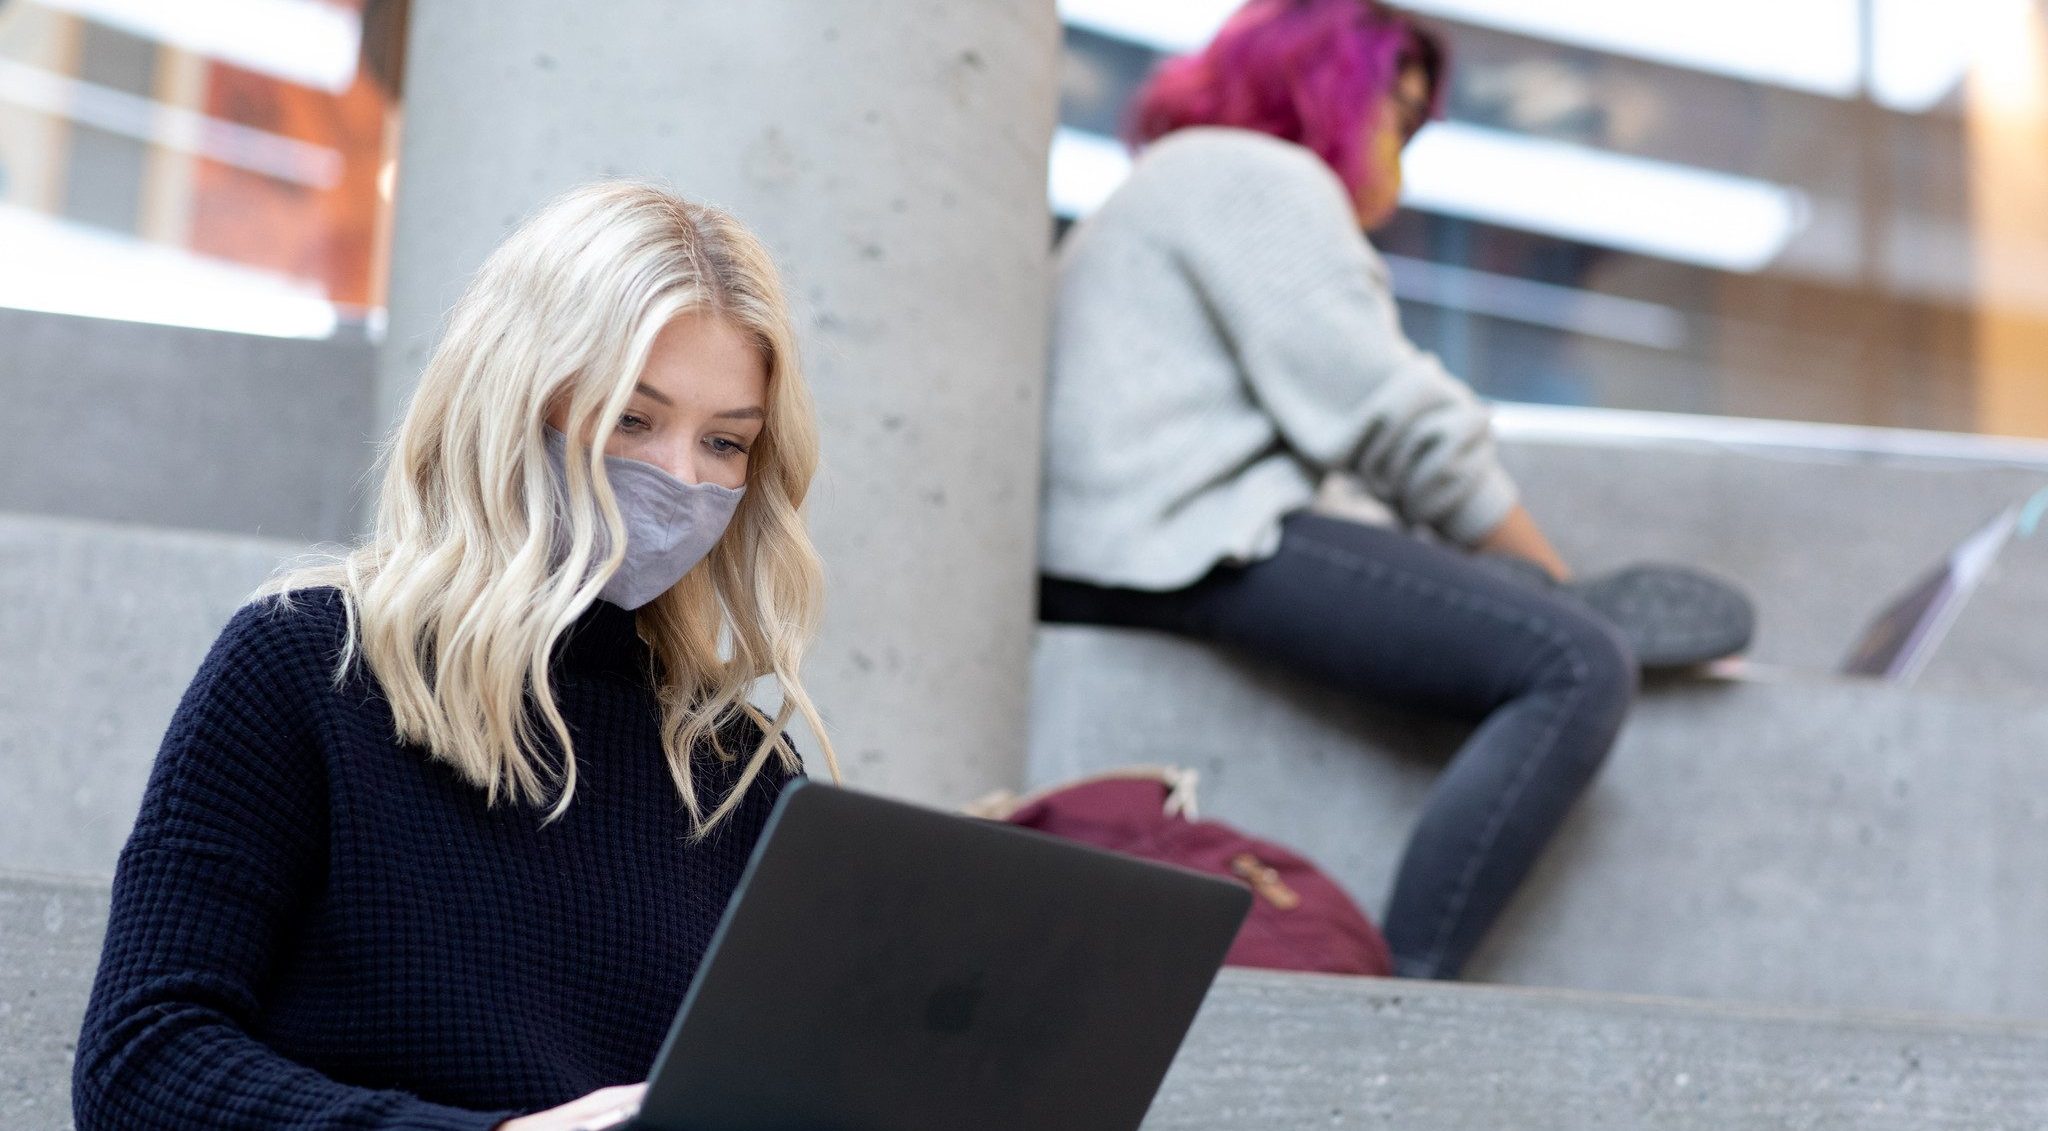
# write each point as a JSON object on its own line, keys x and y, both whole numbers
{"x": 1807, "y": 209}
{"x": 1820, "y": 210}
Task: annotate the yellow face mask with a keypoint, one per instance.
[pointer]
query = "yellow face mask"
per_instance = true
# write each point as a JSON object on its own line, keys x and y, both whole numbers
{"x": 1398, "y": 117}
{"x": 1380, "y": 195}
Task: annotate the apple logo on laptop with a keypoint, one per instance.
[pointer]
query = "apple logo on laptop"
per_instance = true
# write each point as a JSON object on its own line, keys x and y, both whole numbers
{"x": 950, "y": 1009}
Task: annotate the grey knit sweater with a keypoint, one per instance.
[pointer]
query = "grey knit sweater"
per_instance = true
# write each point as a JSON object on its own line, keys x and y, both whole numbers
{"x": 1223, "y": 337}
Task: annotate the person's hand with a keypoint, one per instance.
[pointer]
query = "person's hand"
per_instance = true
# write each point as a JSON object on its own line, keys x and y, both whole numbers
{"x": 1519, "y": 536}
{"x": 606, "y": 1107}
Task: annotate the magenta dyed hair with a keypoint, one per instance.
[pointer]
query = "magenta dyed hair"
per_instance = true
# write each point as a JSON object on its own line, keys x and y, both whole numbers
{"x": 1305, "y": 71}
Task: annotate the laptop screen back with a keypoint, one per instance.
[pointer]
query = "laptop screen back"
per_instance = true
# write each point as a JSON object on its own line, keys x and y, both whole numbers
{"x": 886, "y": 966}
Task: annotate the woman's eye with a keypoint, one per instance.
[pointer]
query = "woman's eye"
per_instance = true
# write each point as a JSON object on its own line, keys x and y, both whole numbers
{"x": 632, "y": 423}
{"x": 725, "y": 447}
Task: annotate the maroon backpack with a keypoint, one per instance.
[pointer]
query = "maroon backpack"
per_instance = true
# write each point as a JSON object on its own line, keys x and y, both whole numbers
{"x": 1300, "y": 918}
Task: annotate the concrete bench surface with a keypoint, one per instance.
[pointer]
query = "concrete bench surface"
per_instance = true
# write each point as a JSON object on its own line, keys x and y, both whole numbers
{"x": 1823, "y": 540}
{"x": 50, "y": 934}
{"x": 1297, "y": 1051}
{"x": 1292, "y": 1051}
{"x": 104, "y": 627}
{"x": 1824, "y": 844}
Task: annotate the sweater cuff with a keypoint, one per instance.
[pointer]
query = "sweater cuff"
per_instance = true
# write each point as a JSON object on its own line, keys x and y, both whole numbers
{"x": 1483, "y": 510}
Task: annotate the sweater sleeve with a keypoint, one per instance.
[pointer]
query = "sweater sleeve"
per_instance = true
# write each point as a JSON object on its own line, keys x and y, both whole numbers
{"x": 230, "y": 840}
{"x": 1302, "y": 300}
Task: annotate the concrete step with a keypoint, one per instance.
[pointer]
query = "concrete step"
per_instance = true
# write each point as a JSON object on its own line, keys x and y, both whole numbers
{"x": 130, "y": 422}
{"x": 1288, "y": 1051}
{"x": 1296, "y": 1051}
{"x": 104, "y": 626}
{"x": 1825, "y": 843}
{"x": 1823, "y": 539}
{"x": 51, "y": 929}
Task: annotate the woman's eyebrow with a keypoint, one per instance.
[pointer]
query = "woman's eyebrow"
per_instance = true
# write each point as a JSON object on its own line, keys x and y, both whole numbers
{"x": 742, "y": 414}
{"x": 650, "y": 393}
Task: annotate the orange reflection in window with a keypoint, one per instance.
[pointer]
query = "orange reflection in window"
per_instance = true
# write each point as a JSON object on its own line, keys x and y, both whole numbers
{"x": 325, "y": 234}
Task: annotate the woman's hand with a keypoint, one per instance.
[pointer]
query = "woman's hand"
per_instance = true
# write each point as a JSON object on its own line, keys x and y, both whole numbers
{"x": 1519, "y": 535}
{"x": 606, "y": 1107}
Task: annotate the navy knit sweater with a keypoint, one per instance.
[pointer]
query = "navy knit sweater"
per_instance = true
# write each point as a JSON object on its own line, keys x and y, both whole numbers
{"x": 316, "y": 927}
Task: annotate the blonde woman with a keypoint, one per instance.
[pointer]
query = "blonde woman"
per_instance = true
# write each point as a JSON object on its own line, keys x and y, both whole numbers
{"x": 442, "y": 828}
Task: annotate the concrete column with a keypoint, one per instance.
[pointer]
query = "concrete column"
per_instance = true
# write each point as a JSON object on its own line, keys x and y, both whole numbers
{"x": 892, "y": 154}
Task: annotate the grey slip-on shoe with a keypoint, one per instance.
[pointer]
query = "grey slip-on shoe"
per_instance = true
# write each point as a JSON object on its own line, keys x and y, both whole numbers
{"x": 1672, "y": 616}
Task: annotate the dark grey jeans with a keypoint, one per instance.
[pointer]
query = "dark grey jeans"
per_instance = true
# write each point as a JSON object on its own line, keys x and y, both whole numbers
{"x": 1390, "y": 618}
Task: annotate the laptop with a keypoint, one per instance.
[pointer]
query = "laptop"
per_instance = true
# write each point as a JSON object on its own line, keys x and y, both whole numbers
{"x": 883, "y": 965}
{"x": 1898, "y": 643}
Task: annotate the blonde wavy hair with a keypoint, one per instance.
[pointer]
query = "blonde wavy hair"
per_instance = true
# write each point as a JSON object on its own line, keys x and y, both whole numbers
{"x": 457, "y": 598}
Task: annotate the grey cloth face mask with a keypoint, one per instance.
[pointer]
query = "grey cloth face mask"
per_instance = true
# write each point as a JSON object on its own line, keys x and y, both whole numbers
{"x": 670, "y": 525}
